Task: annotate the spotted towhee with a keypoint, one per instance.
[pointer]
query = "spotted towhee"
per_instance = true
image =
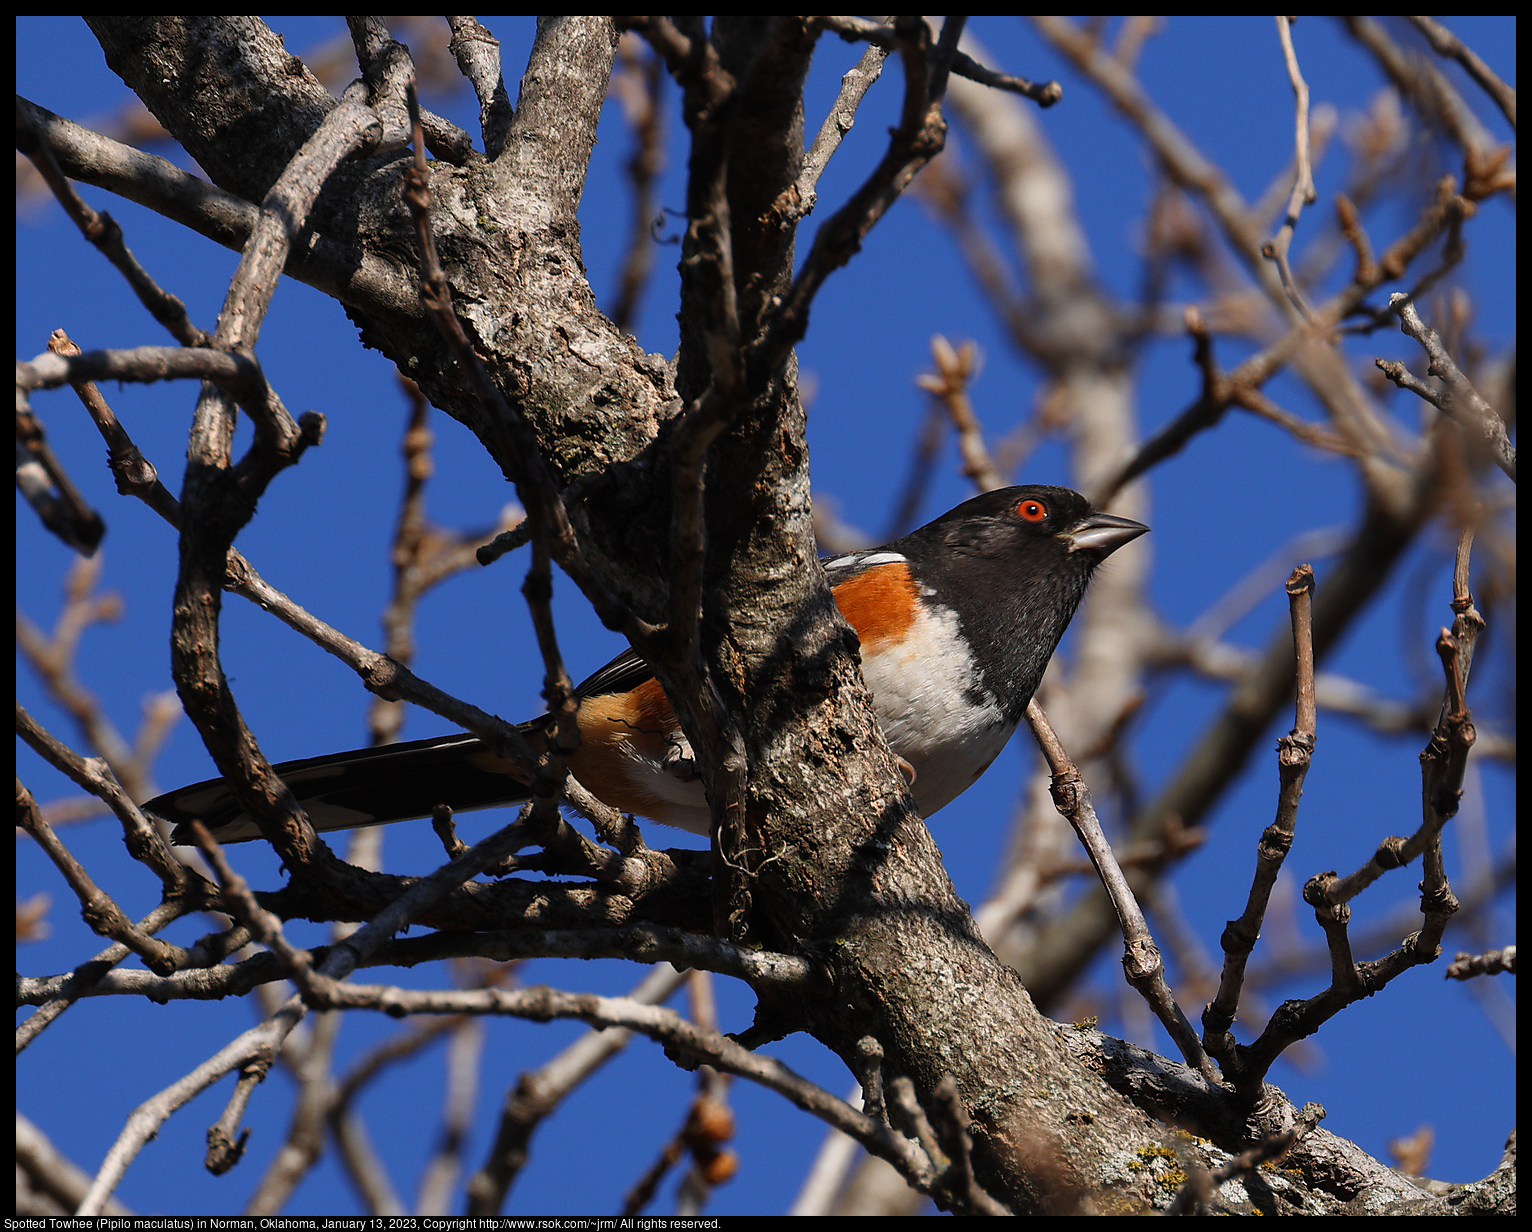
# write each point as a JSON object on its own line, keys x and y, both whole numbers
{"x": 957, "y": 621}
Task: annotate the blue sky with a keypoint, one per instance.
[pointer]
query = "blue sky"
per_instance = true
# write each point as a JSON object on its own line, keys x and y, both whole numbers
{"x": 1234, "y": 497}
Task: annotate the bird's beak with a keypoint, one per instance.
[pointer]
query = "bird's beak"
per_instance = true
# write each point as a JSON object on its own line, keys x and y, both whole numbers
{"x": 1102, "y": 533}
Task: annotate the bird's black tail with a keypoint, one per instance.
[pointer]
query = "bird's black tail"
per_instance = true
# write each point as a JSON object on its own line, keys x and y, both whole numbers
{"x": 365, "y": 787}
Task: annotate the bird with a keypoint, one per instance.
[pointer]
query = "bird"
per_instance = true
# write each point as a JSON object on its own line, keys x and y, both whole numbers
{"x": 957, "y": 621}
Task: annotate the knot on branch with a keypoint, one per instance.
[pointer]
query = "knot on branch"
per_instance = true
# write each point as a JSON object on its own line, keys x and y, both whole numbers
{"x": 1445, "y": 802}
{"x": 1068, "y": 791}
{"x": 1438, "y": 900}
{"x": 1140, "y": 960}
{"x": 1236, "y": 936}
{"x": 311, "y": 426}
{"x": 223, "y": 1152}
{"x": 1294, "y": 749}
{"x": 381, "y": 676}
{"x": 1275, "y": 843}
{"x": 1416, "y": 946}
{"x": 1316, "y": 891}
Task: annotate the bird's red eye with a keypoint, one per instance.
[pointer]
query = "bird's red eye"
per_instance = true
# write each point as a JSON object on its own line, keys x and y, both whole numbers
{"x": 1032, "y": 511}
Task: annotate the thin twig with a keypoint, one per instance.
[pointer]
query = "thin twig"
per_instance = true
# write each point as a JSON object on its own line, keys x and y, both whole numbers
{"x": 954, "y": 1128}
{"x": 919, "y": 137}
{"x": 87, "y": 979}
{"x": 1141, "y": 958}
{"x": 52, "y": 656}
{"x": 50, "y": 1175}
{"x": 1457, "y": 398}
{"x": 854, "y": 85}
{"x": 423, "y": 556}
{"x": 239, "y": 373}
{"x": 1442, "y": 767}
{"x": 766, "y": 971}
{"x": 367, "y": 282}
{"x": 42, "y": 479}
{"x": 1444, "y": 213}
{"x": 709, "y": 1124}
{"x": 241, "y": 903}
{"x": 949, "y": 385}
{"x": 1491, "y": 962}
{"x": 102, "y": 230}
{"x": 1423, "y": 85}
{"x": 1201, "y": 1186}
{"x": 1446, "y": 43}
{"x": 1043, "y": 93}
{"x": 1303, "y": 192}
{"x": 143, "y": 840}
{"x": 1294, "y": 752}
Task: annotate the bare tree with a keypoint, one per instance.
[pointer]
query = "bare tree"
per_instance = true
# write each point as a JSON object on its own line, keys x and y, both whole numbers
{"x": 675, "y": 495}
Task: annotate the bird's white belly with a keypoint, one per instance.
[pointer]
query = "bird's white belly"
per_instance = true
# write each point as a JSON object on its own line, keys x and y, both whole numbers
{"x": 922, "y": 691}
